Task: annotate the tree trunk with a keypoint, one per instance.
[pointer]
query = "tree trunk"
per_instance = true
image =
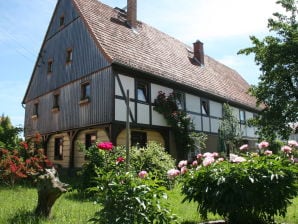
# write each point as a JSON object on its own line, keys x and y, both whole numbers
{"x": 50, "y": 188}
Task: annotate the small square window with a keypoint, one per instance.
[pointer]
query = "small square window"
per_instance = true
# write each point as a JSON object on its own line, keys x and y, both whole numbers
{"x": 35, "y": 109}
{"x": 205, "y": 107}
{"x": 90, "y": 139}
{"x": 68, "y": 55}
{"x": 142, "y": 91}
{"x": 138, "y": 139}
{"x": 58, "y": 154}
{"x": 61, "y": 21}
{"x": 86, "y": 91}
{"x": 50, "y": 66}
{"x": 56, "y": 101}
{"x": 242, "y": 116}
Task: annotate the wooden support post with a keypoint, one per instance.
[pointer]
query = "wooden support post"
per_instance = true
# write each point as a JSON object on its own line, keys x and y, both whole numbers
{"x": 127, "y": 131}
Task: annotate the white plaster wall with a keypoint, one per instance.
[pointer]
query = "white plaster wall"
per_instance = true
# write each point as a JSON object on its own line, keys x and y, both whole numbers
{"x": 143, "y": 115}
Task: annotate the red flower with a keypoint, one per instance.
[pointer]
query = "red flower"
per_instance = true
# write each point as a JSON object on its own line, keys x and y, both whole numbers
{"x": 24, "y": 145}
{"x": 120, "y": 160}
{"x": 108, "y": 146}
{"x": 13, "y": 168}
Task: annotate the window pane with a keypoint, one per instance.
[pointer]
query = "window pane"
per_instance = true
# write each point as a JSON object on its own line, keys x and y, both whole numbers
{"x": 205, "y": 107}
{"x": 142, "y": 92}
{"x": 138, "y": 139}
{"x": 58, "y": 149}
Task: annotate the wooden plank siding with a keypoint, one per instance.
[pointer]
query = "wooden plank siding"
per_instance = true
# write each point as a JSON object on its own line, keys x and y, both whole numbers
{"x": 86, "y": 59}
{"x": 71, "y": 113}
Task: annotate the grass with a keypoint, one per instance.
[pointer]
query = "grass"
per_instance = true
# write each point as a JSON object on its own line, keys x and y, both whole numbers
{"x": 17, "y": 206}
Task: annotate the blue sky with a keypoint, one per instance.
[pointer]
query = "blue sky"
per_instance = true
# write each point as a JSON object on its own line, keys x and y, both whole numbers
{"x": 223, "y": 26}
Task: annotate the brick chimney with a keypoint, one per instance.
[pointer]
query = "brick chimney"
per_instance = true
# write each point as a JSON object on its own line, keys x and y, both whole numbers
{"x": 132, "y": 13}
{"x": 198, "y": 51}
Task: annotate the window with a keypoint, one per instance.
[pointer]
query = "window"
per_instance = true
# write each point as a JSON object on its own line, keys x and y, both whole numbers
{"x": 85, "y": 89}
{"x": 142, "y": 91}
{"x": 61, "y": 21}
{"x": 205, "y": 107}
{"x": 138, "y": 139}
{"x": 35, "y": 109}
{"x": 69, "y": 55}
{"x": 179, "y": 100}
{"x": 50, "y": 66}
{"x": 242, "y": 116}
{"x": 90, "y": 139}
{"x": 58, "y": 149}
{"x": 56, "y": 101}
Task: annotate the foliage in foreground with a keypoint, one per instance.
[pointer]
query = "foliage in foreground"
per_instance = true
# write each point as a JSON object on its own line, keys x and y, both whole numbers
{"x": 250, "y": 189}
{"x": 153, "y": 159}
{"x": 127, "y": 197}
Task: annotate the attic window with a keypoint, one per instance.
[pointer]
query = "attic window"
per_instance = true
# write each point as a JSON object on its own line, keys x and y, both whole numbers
{"x": 85, "y": 93}
{"x": 68, "y": 55}
{"x": 61, "y": 21}
{"x": 35, "y": 111}
{"x": 50, "y": 66}
{"x": 55, "y": 103}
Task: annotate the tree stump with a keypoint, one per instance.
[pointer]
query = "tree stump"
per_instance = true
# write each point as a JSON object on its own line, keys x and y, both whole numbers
{"x": 50, "y": 188}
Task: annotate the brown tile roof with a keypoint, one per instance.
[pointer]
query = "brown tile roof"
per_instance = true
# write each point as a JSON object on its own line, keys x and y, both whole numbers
{"x": 155, "y": 52}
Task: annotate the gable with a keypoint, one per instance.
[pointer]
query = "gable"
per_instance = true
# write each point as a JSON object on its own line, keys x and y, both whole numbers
{"x": 86, "y": 56}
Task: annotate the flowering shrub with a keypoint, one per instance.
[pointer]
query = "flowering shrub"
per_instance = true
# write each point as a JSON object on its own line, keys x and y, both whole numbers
{"x": 21, "y": 163}
{"x": 181, "y": 123}
{"x": 244, "y": 189}
{"x": 127, "y": 197}
{"x": 154, "y": 159}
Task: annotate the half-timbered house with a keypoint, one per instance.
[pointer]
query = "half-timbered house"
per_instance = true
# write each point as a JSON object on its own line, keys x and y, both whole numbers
{"x": 92, "y": 54}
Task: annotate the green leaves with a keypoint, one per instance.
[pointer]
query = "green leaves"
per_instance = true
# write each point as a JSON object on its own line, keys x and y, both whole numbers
{"x": 261, "y": 187}
{"x": 277, "y": 90}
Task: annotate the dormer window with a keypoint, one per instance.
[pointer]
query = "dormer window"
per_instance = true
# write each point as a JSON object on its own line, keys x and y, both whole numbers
{"x": 50, "y": 66}
{"x": 61, "y": 21}
{"x": 68, "y": 55}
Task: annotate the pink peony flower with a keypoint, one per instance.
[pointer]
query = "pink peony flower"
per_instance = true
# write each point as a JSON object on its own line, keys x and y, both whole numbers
{"x": 172, "y": 173}
{"x": 215, "y": 154}
{"x": 236, "y": 159}
{"x": 263, "y": 145}
{"x": 208, "y": 161}
{"x": 184, "y": 170}
{"x": 182, "y": 163}
{"x": 195, "y": 163}
{"x": 142, "y": 174}
{"x": 244, "y": 147}
{"x": 107, "y": 146}
{"x": 286, "y": 149}
{"x": 207, "y": 154}
{"x": 268, "y": 153}
{"x": 199, "y": 156}
{"x": 293, "y": 143}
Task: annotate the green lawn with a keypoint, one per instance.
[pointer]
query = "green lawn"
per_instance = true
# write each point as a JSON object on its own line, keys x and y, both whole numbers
{"x": 17, "y": 205}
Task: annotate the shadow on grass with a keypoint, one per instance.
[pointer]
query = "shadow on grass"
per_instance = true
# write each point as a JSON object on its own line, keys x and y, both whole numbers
{"x": 25, "y": 216}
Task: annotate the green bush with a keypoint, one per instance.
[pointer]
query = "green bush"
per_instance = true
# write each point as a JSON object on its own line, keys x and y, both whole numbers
{"x": 154, "y": 159}
{"x": 128, "y": 199}
{"x": 248, "y": 190}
